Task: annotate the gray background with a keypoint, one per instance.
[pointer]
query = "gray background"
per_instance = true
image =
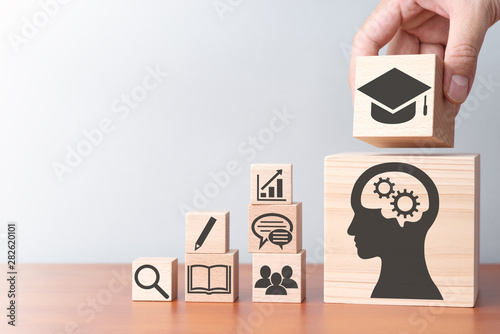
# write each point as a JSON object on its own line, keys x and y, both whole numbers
{"x": 226, "y": 76}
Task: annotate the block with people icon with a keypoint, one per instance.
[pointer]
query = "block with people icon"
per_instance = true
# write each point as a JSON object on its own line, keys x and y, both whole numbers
{"x": 402, "y": 229}
{"x": 279, "y": 277}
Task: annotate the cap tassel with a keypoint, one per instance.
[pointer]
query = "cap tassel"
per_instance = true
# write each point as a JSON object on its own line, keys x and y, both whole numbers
{"x": 425, "y": 105}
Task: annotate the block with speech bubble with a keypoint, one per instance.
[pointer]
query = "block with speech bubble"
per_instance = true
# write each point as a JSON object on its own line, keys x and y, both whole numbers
{"x": 275, "y": 228}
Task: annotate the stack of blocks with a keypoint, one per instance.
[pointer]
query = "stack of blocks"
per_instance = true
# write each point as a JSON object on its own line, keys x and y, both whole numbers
{"x": 275, "y": 236}
{"x": 402, "y": 229}
{"x": 211, "y": 267}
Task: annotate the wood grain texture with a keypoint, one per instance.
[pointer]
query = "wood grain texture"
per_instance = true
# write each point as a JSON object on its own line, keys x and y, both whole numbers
{"x": 217, "y": 240}
{"x": 435, "y": 130}
{"x": 451, "y": 243}
{"x": 205, "y": 277}
{"x": 258, "y": 215}
{"x": 276, "y": 264}
{"x": 57, "y": 298}
{"x": 167, "y": 269}
{"x": 265, "y": 172}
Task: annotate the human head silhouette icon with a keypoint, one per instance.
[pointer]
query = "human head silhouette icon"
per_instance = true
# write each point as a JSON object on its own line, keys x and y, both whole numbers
{"x": 276, "y": 279}
{"x": 264, "y": 281}
{"x": 287, "y": 272}
{"x": 276, "y": 288}
{"x": 265, "y": 272}
{"x": 404, "y": 272}
{"x": 288, "y": 282}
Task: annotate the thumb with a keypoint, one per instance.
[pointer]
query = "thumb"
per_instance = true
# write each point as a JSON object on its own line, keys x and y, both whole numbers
{"x": 467, "y": 31}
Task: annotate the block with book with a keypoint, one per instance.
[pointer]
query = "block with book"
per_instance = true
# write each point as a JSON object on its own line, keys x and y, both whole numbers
{"x": 212, "y": 277}
{"x": 209, "y": 279}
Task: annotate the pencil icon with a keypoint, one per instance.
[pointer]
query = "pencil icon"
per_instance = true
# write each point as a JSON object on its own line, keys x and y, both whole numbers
{"x": 204, "y": 233}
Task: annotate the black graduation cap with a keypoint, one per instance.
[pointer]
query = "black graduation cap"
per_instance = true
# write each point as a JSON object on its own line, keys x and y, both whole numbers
{"x": 393, "y": 89}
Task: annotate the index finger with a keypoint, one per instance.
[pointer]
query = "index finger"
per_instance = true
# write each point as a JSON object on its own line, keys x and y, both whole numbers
{"x": 378, "y": 30}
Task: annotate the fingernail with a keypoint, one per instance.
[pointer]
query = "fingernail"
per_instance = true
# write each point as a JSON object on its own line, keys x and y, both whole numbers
{"x": 459, "y": 86}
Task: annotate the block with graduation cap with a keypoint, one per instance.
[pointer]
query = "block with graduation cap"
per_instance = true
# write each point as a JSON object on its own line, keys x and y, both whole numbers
{"x": 399, "y": 102}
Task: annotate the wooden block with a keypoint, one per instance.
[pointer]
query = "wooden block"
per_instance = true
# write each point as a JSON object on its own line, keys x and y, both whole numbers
{"x": 399, "y": 102}
{"x": 275, "y": 228}
{"x": 154, "y": 279}
{"x": 207, "y": 232}
{"x": 271, "y": 184}
{"x": 402, "y": 229}
{"x": 279, "y": 278}
{"x": 212, "y": 277}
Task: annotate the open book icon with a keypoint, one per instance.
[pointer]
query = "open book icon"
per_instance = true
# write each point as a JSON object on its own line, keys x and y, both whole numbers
{"x": 209, "y": 279}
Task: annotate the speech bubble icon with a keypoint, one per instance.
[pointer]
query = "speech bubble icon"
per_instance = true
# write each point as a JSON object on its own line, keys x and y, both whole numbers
{"x": 265, "y": 224}
{"x": 280, "y": 237}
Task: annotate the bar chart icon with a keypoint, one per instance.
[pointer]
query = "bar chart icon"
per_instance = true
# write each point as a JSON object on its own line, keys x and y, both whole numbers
{"x": 272, "y": 190}
{"x": 271, "y": 184}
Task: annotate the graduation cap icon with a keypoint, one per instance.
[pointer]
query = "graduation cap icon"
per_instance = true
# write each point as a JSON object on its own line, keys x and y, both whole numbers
{"x": 392, "y": 90}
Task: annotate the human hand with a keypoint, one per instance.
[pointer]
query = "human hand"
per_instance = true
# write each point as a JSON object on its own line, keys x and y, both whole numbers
{"x": 452, "y": 29}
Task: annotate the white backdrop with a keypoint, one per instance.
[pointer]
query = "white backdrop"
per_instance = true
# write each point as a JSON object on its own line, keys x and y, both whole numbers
{"x": 177, "y": 90}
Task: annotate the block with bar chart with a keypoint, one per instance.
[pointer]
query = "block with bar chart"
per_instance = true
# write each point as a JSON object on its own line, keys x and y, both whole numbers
{"x": 271, "y": 184}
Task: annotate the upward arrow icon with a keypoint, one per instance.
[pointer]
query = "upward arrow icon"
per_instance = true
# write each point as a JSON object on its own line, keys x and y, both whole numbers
{"x": 278, "y": 172}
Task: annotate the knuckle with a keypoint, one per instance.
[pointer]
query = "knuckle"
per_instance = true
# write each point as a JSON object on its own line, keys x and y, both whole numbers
{"x": 363, "y": 39}
{"x": 464, "y": 53}
{"x": 492, "y": 11}
{"x": 358, "y": 37}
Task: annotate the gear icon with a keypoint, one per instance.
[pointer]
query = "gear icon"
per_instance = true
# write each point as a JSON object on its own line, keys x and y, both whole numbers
{"x": 377, "y": 187}
{"x": 413, "y": 200}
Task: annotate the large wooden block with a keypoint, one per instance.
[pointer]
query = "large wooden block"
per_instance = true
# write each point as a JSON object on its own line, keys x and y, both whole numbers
{"x": 212, "y": 277}
{"x": 279, "y": 278}
{"x": 207, "y": 232}
{"x": 154, "y": 279}
{"x": 275, "y": 228}
{"x": 402, "y": 229}
{"x": 399, "y": 102}
{"x": 271, "y": 184}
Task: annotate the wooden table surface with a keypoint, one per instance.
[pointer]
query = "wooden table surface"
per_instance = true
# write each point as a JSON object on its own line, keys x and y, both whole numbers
{"x": 96, "y": 298}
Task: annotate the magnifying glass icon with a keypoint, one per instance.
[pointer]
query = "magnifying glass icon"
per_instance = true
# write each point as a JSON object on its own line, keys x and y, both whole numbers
{"x": 155, "y": 283}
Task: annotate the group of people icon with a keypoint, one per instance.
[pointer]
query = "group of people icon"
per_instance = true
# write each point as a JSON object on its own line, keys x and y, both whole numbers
{"x": 277, "y": 283}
